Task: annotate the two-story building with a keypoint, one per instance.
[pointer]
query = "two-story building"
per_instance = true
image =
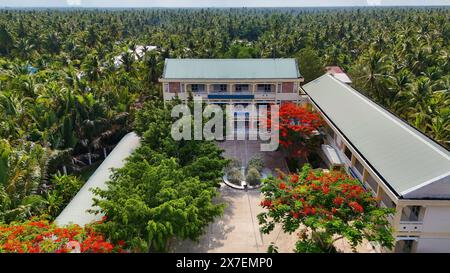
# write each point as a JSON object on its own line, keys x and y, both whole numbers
{"x": 404, "y": 168}
{"x": 236, "y": 81}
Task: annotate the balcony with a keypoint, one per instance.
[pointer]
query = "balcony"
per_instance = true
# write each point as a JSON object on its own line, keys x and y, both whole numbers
{"x": 410, "y": 226}
{"x": 236, "y": 96}
{"x": 265, "y": 95}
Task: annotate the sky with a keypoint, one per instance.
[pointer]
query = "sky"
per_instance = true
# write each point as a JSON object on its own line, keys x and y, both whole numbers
{"x": 215, "y": 3}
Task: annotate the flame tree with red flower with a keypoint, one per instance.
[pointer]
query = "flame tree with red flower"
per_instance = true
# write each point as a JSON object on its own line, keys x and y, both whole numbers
{"x": 323, "y": 208}
{"x": 298, "y": 129}
{"x": 41, "y": 236}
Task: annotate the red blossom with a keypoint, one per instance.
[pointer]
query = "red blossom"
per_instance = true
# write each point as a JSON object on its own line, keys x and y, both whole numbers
{"x": 338, "y": 201}
{"x": 36, "y": 236}
{"x": 356, "y": 207}
{"x": 296, "y": 122}
{"x": 293, "y": 178}
{"x": 266, "y": 203}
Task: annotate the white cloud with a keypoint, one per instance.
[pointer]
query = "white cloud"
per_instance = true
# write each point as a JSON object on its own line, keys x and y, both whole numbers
{"x": 73, "y": 2}
{"x": 373, "y": 2}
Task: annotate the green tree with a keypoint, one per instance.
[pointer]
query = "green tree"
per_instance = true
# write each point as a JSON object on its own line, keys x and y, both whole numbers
{"x": 6, "y": 40}
{"x": 309, "y": 64}
{"x": 151, "y": 201}
{"x": 323, "y": 208}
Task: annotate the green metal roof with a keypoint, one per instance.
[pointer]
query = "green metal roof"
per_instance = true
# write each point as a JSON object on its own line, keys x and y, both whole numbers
{"x": 231, "y": 69}
{"x": 409, "y": 162}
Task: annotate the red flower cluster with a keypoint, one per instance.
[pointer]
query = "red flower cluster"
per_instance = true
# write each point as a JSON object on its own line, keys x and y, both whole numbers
{"x": 295, "y": 123}
{"x": 338, "y": 201}
{"x": 323, "y": 195}
{"x": 266, "y": 203}
{"x": 40, "y": 236}
{"x": 356, "y": 207}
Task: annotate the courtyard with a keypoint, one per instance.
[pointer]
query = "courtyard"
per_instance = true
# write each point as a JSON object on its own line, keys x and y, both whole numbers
{"x": 237, "y": 231}
{"x": 244, "y": 150}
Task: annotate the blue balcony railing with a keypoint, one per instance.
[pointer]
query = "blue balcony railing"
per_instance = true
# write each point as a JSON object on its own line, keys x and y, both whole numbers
{"x": 231, "y": 96}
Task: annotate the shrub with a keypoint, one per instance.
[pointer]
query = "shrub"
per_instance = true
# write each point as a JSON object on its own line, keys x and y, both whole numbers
{"x": 253, "y": 177}
{"x": 235, "y": 176}
{"x": 64, "y": 188}
{"x": 233, "y": 163}
{"x": 256, "y": 162}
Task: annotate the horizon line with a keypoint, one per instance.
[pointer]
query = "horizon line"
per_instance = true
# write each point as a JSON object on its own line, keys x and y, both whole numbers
{"x": 212, "y": 7}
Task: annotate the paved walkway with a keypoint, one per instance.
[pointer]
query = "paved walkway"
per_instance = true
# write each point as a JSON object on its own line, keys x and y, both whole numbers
{"x": 238, "y": 229}
{"x": 244, "y": 150}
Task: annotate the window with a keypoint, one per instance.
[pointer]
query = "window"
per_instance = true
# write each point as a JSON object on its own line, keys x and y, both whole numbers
{"x": 197, "y": 87}
{"x": 329, "y": 132}
{"x": 265, "y": 87}
{"x": 412, "y": 213}
{"x": 405, "y": 246}
{"x": 348, "y": 153}
{"x": 241, "y": 87}
{"x": 220, "y": 88}
{"x": 387, "y": 201}
{"x": 359, "y": 166}
{"x": 372, "y": 182}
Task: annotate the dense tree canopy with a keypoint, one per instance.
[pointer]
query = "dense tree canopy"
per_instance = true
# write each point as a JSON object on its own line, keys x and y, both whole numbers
{"x": 323, "y": 208}
{"x": 71, "y": 81}
{"x": 166, "y": 189}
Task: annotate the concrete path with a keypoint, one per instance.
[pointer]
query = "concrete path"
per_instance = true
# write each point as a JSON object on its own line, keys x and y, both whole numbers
{"x": 244, "y": 150}
{"x": 237, "y": 230}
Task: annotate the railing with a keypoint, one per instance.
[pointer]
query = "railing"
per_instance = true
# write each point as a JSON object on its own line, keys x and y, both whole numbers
{"x": 410, "y": 226}
{"x": 247, "y": 96}
{"x": 264, "y": 95}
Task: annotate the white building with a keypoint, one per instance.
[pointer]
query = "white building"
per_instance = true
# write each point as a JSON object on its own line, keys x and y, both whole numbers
{"x": 236, "y": 81}
{"x": 404, "y": 168}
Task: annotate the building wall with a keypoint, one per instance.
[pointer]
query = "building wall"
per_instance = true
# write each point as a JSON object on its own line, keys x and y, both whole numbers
{"x": 287, "y": 87}
{"x": 433, "y": 245}
{"x": 174, "y": 87}
{"x": 436, "y": 219}
{"x": 281, "y": 91}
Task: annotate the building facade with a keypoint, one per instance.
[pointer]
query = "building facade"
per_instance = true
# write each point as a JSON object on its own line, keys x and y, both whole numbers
{"x": 403, "y": 168}
{"x": 232, "y": 81}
